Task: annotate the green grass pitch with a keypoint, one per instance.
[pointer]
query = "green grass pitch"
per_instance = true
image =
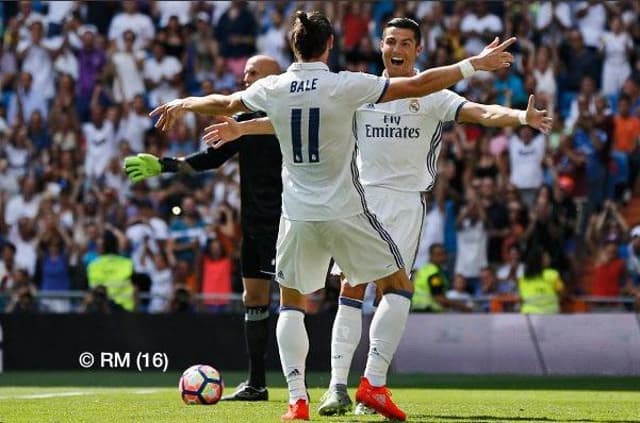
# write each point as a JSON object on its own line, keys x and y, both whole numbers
{"x": 153, "y": 397}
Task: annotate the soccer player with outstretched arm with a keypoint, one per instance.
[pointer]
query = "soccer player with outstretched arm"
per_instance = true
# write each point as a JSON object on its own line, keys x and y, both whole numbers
{"x": 398, "y": 148}
{"x": 324, "y": 210}
{"x": 261, "y": 192}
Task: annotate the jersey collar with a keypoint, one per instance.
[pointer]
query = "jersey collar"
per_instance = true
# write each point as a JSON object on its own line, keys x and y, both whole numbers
{"x": 308, "y": 66}
{"x": 386, "y": 74}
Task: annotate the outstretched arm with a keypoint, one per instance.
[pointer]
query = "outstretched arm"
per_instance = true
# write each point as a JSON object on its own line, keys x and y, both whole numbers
{"x": 219, "y": 134}
{"x": 493, "y": 57}
{"x": 143, "y": 165}
{"x": 499, "y": 116}
{"x": 214, "y": 104}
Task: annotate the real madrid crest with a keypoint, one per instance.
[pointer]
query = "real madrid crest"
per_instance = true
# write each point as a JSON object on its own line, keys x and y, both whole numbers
{"x": 414, "y": 106}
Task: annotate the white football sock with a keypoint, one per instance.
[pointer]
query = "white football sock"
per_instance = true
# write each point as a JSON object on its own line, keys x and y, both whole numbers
{"x": 386, "y": 331}
{"x": 345, "y": 337}
{"x": 293, "y": 345}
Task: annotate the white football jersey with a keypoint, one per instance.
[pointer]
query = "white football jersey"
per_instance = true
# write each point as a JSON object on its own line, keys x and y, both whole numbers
{"x": 312, "y": 112}
{"x": 399, "y": 141}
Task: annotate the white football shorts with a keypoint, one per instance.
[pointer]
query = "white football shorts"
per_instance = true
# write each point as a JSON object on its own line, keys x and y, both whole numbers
{"x": 359, "y": 244}
{"x": 402, "y": 213}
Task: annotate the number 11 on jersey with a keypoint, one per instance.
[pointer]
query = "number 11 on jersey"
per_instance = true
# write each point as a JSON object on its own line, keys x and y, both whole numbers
{"x": 312, "y": 135}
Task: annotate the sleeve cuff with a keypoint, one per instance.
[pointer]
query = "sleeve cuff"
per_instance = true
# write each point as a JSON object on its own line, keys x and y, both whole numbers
{"x": 245, "y": 104}
{"x": 455, "y": 117}
{"x": 384, "y": 90}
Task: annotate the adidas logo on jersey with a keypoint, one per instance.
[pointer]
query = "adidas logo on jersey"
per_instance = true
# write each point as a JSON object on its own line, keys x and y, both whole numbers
{"x": 280, "y": 274}
{"x": 371, "y": 106}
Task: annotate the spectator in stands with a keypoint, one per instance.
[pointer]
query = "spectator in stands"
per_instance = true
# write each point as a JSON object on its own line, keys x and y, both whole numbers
{"x": 19, "y": 151}
{"x": 25, "y": 101}
{"x": 526, "y": 155}
{"x": 100, "y": 139}
{"x": 8, "y": 67}
{"x": 34, "y": 55}
{"x": 578, "y": 61}
{"x": 459, "y": 292}
{"x": 97, "y": 301}
{"x": 479, "y": 27}
{"x": 616, "y": 46}
{"x": 544, "y": 72}
{"x": 113, "y": 271}
{"x": 626, "y": 136}
{"x": 497, "y": 218}
{"x": 187, "y": 234}
{"x": 236, "y": 34}
{"x": 173, "y": 40}
{"x": 274, "y": 41}
{"x": 633, "y": 257}
{"x": 606, "y": 225}
{"x": 610, "y": 274}
{"x": 92, "y": 61}
{"x": 592, "y": 18}
{"x": 156, "y": 266}
{"x": 126, "y": 67}
{"x": 131, "y": 19}
{"x": 540, "y": 287}
{"x": 204, "y": 48}
{"x": 24, "y": 204}
{"x": 53, "y": 273}
{"x": 552, "y": 20}
{"x": 216, "y": 274}
{"x": 509, "y": 89}
{"x": 223, "y": 79}
{"x": 162, "y": 75}
{"x": 7, "y": 267}
{"x": 510, "y": 272}
{"x": 431, "y": 284}
{"x": 181, "y": 301}
{"x": 24, "y": 301}
{"x": 472, "y": 238}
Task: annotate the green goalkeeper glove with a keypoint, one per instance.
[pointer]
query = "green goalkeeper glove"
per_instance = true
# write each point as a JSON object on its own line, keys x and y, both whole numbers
{"x": 142, "y": 166}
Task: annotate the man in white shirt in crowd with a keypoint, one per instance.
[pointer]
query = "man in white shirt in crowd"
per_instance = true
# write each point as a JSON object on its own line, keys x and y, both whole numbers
{"x": 101, "y": 143}
{"x": 526, "y": 154}
{"x": 139, "y": 23}
{"x": 162, "y": 74}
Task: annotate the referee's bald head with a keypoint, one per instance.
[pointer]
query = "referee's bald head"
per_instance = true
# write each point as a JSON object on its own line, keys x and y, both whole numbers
{"x": 258, "y": 67}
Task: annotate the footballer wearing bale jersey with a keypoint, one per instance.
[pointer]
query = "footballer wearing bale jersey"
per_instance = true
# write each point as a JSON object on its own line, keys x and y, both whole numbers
{"x": 399, "y": 144}
{"x": 260, "y": 161}
{"x": 324, "y": 210}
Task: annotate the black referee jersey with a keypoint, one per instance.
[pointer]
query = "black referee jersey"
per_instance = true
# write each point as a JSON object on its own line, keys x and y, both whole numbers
{"x": 260, "y": 175}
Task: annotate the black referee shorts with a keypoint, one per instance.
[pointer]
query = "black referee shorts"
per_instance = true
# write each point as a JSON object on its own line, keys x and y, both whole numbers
{"x": 258, "y": 255}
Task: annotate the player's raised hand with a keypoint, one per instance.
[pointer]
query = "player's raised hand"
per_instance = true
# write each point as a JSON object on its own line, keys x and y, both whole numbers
{"x": 142, "y": 166}
{"x": 169, "y": 113}
{"x": 494, "y": 56}
{"x": 219, "y": 134}
{"x": 538, "y": 119}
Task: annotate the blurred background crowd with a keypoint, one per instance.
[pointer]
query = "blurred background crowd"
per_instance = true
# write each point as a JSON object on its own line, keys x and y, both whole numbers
{"x": 78, "y": 78}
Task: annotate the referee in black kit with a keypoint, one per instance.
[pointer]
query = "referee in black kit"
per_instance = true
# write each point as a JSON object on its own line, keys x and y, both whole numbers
{"x": 261, "y": 192}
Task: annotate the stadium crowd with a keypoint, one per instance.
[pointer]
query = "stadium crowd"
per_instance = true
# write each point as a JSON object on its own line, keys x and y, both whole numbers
{"x": 78, "y": 79}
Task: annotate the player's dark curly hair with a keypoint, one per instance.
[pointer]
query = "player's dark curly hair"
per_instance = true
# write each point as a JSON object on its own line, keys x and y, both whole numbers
{"x": 310, "y": 34}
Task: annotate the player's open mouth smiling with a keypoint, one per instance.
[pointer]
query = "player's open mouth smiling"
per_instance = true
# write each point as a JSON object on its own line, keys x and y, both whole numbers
{"x": 397, "y": 61}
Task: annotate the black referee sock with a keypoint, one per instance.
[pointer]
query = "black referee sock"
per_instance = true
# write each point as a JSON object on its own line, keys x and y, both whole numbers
{"x": 256, "y": 327}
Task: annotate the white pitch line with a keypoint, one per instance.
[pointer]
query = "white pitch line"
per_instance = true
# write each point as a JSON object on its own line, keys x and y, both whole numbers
{"x": 145, "y": 391}
{"x": 53, "y": 395}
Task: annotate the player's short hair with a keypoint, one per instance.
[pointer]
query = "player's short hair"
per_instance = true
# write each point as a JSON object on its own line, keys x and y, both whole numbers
{"x": 310, "y": 34}
{"x": 406, "y": 23}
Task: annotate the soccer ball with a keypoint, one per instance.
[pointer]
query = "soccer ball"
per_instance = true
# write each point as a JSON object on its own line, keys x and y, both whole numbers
{"x": 201, "y": 384}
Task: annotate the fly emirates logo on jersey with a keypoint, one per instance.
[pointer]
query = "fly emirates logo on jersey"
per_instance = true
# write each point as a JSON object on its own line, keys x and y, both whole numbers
{"x": 382, "y": 126}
